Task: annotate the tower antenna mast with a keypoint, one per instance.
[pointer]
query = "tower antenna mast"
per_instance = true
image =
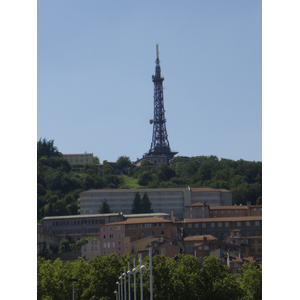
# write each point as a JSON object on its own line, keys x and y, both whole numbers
{"x": 160, "y": 144}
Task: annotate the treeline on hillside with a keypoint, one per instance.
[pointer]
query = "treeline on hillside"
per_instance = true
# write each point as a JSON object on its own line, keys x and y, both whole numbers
{"x": 181, "y": 279}
{"x": 58, "y": 185}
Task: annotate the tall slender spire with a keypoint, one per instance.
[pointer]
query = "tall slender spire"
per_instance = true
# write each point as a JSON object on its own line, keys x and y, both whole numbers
{"x": 160, "y": 143}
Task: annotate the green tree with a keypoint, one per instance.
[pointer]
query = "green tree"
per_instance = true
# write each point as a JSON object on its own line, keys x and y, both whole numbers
{"x": 104, "y": 209}
{"x": 46, "y": 148}
{"x": 137, "y": 204}
{"x": 250, "y": 277}
{"x": 217, "y": 282}
{"x": 146, "y": 205}
{"x": 123, "y": 163}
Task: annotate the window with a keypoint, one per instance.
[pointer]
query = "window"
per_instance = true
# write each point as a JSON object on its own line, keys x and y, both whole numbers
{"x": 248, "y": 223}
{"x": 203, "y": 225}
{"x": 163, "y": 251}
{"x": 197, "y": 225}
{"x": 222, "y": 212}
{"x": 92, "y": 248}
{"x": 206, "y": 247}
{"x": 110, "y": 228}
{"x": 104, "y": 245}
{"x": 108, "y": 245}
{"x": 200, "y": 248}
{"x": 212, "y": 225}
{"x": 190, "y": 225}
{"x": 226, "y": 224}
{"x": 229, "y": 211}
{"x": 84, "y": 248}
{"x": 256, "y": 223}
{"x": 239, "y": 224}
{"x": 113, "y": 244}
{"x": 236, "y": 211}
{"x": 216, "y": 212}
{"x": 254, "y": 209}
{"x": 103, "y": 229}
{"x": 220, "y": 224}
{"x": 200, "y": 258}
{"x": 104, "y": 252}
{"x": 104, "y": 236}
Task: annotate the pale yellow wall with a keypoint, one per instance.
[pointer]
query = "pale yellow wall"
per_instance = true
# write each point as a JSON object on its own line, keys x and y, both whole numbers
{"x": 91, "y": 249}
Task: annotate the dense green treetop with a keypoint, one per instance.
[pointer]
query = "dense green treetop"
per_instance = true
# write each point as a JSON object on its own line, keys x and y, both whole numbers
{"x": 176, "y": 280}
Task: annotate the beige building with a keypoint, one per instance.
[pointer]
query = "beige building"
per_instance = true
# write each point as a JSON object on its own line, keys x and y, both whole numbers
{"x": 91, "y": 249}
{"x": 163, "y": 200}
{"x": 79, "y": 159}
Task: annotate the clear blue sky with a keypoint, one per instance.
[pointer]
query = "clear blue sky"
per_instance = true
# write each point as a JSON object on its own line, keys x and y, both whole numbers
{"x": 95, "y": 60}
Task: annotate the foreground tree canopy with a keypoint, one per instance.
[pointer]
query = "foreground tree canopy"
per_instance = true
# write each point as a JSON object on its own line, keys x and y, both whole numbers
{"x": 58, "y": 185}
{"x": 181, "y": 279}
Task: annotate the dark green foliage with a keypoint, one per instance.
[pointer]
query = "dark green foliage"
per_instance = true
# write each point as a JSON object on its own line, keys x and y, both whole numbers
{"x": 176, "y": 280}
{"x": 137, "y": 204}
{"x": 146, "y": 205}
{"x": 104, "y": 209}
{"x": 46, "y": 148}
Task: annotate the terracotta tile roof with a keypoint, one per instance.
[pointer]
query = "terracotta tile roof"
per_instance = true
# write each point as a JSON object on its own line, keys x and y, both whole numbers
{"x": 197, "y": 204}
{"x": 199, "y": 238}
{"x": 231, "y": 207}
{"x": 225, "y": 219}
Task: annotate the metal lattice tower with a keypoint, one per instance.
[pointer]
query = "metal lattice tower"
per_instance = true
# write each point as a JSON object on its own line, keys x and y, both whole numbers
{"x": 160, "y": 143}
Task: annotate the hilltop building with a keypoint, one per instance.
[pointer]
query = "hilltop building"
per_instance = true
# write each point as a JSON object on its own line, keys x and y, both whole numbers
{"x": 163, "y": 200}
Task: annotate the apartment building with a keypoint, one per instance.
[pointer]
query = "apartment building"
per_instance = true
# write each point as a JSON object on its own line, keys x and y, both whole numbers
{"x": 116, "y": 237}
{"x": 202, "y": 210}
{"x": 214, "y": 247}
{"x": 163, "y": 200}
{"x": 91, "y": 249}
{"x": 190, "y": 241}
{"x": 78, "y": 224}
{"x": 250, "y": 245}
{"x": 221, "y": 227}
{"x": 79, "y": 159}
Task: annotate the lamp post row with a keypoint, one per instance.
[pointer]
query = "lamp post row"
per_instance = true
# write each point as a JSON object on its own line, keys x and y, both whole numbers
{"x": 119, "y": 294}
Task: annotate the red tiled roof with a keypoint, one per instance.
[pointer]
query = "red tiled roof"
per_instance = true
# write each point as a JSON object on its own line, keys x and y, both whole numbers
{"x": 224, "y": 219}
{"x": 199, "y": 238}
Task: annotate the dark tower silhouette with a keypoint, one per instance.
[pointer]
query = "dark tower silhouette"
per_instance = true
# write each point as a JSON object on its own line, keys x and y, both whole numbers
{"x": 160, "y": 146}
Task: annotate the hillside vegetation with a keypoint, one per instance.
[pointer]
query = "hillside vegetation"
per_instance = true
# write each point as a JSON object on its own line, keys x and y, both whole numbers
{"x": 58, "y": 185}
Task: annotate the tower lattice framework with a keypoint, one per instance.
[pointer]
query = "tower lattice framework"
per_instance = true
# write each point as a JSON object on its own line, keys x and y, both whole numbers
{"x": 160, "y": 143}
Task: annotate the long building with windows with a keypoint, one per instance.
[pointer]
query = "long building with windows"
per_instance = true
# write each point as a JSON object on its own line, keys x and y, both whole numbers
{"x": 163, "y": 200}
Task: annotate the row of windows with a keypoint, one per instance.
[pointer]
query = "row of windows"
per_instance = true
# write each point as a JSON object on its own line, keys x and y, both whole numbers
{"x": 78, "y": 222}
{"x": 112, "y": 236}
{"x": 74, "y": 231}
{"x": 150, "y": 225}
{"x": 221, "y": 224}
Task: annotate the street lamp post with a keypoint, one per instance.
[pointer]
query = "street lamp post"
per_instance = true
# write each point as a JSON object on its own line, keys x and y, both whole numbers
{"x": 118, "y": 283}
{"x": 128, "y": 272}
{"x": 73, "y": 280}
{"x": 124, "y": 275}
{"x": 134, "y": 271}
{"x": 121, "y": 286}
{"x": 115, "y": 292}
